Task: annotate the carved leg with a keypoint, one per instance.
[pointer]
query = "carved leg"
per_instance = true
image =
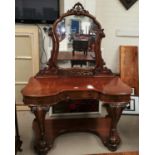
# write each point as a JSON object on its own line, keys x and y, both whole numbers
{"x": 41, "y": 145}
{"x": 114, "y": 140}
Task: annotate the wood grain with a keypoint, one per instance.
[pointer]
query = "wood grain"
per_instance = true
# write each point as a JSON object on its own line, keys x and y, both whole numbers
{"x": 56, "y": 127}
{"x": 129, "y": 66}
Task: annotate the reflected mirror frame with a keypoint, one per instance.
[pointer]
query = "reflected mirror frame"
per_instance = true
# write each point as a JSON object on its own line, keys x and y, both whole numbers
{"x": 60, "y": 30}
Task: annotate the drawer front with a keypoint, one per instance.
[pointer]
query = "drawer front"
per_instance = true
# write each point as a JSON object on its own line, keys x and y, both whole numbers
{"x": 80, "y": 95}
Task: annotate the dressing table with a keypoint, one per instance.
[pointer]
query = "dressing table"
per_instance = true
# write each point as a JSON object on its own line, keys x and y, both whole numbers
{"x": 58, "y": 82}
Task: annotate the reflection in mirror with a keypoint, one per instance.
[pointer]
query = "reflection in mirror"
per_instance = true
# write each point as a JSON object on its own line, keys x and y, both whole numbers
{"x": 76, "y": 36}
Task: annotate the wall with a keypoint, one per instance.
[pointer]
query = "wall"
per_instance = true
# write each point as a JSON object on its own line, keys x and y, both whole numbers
{"x": 120, "y": 26}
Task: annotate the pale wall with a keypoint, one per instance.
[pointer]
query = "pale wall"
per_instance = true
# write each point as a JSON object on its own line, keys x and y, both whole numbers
{"x": 113, "y": 17}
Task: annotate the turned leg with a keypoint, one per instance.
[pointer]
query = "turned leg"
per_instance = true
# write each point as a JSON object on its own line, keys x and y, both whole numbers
{"x": 41, "y": 145}
{"x": 114, "y": 112}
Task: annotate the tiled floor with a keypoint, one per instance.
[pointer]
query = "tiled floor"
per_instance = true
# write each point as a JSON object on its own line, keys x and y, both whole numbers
{"x": 80, "y": 143}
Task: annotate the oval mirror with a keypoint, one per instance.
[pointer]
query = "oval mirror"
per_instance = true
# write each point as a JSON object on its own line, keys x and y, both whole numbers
{"x": 76, "y": 37}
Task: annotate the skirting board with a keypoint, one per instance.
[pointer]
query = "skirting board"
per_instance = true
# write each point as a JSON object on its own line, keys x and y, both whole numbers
{"x": 20, "y": 107}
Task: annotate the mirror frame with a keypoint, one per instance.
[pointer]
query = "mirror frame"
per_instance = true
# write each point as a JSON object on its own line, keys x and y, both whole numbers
{"x": 53, "y": 69}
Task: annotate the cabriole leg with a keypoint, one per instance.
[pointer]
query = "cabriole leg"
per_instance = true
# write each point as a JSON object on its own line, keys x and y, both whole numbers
{"x": 41, "y": 145}
{"x": 114, "y": 112}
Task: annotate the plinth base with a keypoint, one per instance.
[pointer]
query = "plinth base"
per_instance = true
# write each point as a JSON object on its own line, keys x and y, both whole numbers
{"x": 56, "y": 127}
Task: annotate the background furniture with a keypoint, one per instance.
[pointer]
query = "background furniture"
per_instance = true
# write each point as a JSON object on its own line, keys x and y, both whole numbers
{"x": 129, "y": 67}
{"x": 83, "y": 42}
{"x": 129, "y": 75}
{"x": 80, "y": 45}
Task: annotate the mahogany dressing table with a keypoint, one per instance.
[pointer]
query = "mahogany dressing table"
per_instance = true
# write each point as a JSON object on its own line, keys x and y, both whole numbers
{"x": 54, "y": 84}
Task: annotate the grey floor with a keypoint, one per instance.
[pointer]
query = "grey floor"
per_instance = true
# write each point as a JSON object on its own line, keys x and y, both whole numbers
{"x": 80, "y": 143}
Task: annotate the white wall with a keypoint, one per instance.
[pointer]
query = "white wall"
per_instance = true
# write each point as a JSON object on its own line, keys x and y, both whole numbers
{"x": 114, "y": 17}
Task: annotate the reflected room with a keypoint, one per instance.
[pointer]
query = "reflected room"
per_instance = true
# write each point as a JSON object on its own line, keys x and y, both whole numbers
{"x": 77, "y": 38}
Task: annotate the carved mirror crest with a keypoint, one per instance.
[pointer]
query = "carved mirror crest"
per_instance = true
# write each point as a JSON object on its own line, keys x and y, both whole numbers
{"x": 76, "y": 37}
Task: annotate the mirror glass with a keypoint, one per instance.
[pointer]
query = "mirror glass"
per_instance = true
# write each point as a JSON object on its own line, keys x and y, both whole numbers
{"x": 77, "y": 37}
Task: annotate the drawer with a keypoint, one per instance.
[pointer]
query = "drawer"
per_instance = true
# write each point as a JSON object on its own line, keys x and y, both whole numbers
{"x": 80, "y": 95}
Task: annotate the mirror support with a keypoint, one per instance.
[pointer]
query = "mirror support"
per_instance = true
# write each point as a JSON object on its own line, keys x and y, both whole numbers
{"x": 53, "y": 69}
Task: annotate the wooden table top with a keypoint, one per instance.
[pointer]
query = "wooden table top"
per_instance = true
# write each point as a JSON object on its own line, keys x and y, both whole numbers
{"x": 53, "y": 85}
